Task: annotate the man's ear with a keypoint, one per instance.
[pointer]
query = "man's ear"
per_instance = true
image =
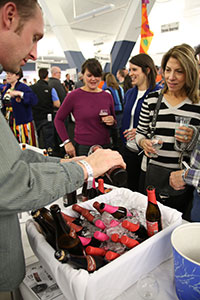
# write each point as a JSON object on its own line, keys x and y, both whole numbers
{"x": 9, "y": 13}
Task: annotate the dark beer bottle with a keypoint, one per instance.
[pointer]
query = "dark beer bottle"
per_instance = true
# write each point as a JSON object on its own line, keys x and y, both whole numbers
{"x": 153, "y": 214}
{"x": 66, "y": 237}
{"x": 69, "y": 199}
{"x": 138, "y": 229}
{"x": 117, "y": 212}
{"x": 86, "y": 262}
{"x": 48, "y": 230}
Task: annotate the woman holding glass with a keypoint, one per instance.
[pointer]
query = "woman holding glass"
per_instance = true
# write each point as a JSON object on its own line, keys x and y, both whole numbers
{"x": 180, "y": 98}
{"x": 143, "y": 75}
{"x": 93, "y": 110}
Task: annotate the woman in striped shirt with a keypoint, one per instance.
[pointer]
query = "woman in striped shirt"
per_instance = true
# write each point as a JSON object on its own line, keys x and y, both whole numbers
{"x": 180, "y": 98}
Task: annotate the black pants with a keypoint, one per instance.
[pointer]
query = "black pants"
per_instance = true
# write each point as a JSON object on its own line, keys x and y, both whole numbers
{"x": 133, "y": 168}
{"x": 45, "y": 131}
{"x": 84, "y": 149}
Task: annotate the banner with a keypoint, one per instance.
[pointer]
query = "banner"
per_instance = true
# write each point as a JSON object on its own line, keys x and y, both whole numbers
{"x": 146, "y": 33}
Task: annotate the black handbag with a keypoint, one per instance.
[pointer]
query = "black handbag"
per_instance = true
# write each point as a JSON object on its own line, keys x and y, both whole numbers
{"x": 158, "y": 176}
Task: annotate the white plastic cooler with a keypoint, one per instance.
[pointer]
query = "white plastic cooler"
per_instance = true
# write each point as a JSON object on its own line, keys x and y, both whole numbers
{"x": 117, "y": 276}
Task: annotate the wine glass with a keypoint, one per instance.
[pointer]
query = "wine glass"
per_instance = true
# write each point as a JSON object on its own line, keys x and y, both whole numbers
{"x": 147, "y": 287}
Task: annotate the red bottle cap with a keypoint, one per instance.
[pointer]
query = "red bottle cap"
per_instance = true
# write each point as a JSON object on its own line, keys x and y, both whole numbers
{"x": 130, "y": 243}
{"x": 101, "y": 185}
{"x": 95, "y": 251}
{"x": 115, "y": 237}
{"x": 110, "y": 255}
{"x": 130, "y": 226}
{"x": 151, "y": 194}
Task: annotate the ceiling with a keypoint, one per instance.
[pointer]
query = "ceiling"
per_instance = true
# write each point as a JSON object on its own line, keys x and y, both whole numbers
{"x": 97, "y": 33}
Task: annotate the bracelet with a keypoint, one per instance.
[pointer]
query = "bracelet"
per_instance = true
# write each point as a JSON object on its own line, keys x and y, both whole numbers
{"x": 64, "y": 143}
{"x": 88, "y": 169}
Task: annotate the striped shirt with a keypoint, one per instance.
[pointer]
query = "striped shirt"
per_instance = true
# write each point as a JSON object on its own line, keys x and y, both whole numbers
{"x": 165, "y": 126}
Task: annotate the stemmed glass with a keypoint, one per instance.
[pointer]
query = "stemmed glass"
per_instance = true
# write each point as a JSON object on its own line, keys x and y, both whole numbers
{"x": 147, "y": 287}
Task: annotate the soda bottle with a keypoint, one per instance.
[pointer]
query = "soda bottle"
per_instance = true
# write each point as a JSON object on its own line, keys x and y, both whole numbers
{"x": 153, "y": 214}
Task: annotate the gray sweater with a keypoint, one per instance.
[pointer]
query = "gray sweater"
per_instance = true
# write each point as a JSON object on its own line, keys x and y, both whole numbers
{"x": 28, "y": 180}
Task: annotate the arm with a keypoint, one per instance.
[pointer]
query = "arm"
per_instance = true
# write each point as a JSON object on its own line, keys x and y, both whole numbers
{"x": 55, "y": 98}
{"x": 25, "y": 94}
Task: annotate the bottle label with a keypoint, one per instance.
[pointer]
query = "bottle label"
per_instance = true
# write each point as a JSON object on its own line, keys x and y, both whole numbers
{"x": 91, "y": 264}
{"x": 152, "y": 228}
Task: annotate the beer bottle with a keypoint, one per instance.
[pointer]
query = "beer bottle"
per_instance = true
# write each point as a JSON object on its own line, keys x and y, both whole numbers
{"x": 69, "y": 199}
{"x": 86, "y": 262}
{"x": 153, "y": 215}
{"x": 138, "y": 229}
{"x": 48, "y": 230}
{"x": 88, "y": 216}
{"x": 66, "y": 237}
{"x": 117, "y": 212}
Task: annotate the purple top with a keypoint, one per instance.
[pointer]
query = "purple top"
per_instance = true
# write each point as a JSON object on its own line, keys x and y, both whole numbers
{"x": 85, "y": 107}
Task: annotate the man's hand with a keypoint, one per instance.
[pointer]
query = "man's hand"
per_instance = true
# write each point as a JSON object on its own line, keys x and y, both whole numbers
{"x": 176, "y": 180}
{"x": 102, "y": 160}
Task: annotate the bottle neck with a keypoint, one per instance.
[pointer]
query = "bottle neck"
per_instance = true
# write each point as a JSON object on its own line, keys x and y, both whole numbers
{"x": 151, "y": 196}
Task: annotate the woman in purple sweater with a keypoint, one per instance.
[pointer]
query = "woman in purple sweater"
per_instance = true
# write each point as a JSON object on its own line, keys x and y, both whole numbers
{"x": 85, "y": 104}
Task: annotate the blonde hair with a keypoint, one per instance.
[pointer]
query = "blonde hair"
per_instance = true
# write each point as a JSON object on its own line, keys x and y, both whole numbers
{"x": 186, "y": 58}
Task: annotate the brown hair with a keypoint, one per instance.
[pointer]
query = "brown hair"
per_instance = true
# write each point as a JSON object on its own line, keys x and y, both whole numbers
{"x": 189, "y": 65}
{"x": 26, "y": 10}
{"x": 93, "y": 66}
{"x": 111, "y": 81}
{"x": 145, "y": 62}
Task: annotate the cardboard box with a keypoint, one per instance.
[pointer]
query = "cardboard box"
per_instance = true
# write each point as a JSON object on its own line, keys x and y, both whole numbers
{"x": 117, "y": 276}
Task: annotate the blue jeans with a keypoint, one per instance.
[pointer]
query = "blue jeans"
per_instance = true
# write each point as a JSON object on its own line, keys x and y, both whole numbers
{"x": 195, "y": 211}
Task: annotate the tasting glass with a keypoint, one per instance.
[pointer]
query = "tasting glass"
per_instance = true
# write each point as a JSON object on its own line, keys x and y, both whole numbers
{"x": 157, "y": 145}
{"x": 181, "y": 121}
{"x": 147, "y": 287}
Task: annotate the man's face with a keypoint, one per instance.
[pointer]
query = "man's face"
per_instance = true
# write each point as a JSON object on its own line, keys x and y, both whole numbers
{"x": 16, "y": 48}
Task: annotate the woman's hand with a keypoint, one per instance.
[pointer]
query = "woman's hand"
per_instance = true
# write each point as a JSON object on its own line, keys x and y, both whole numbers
{"x": 130, "y": 134}
{"x": 108, "y": 120}
{"x": 70, "y": 150}
{"x": 184, "y": 134}
{"x": 147, "y": 146}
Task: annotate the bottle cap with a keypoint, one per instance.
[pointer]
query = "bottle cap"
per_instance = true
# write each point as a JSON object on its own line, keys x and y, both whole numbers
{"x": 100, "y": 224}
{"x": 110, "y": 255}
{"x": 101, "y": 236}
{"x": 95, "y": 251}
{"x": 130, "y": 243}
{"x": 115, "y": 237}
{"x": 130, "y": 226}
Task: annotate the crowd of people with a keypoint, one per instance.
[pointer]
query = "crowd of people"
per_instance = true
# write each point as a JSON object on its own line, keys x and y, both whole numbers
{"x": 125, "y": 111}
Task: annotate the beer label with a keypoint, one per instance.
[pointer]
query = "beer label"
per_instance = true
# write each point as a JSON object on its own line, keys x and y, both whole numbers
{"x": 72, "y": 233}
{"x": 152, "y": 228}
{"x": 91, "y": 264}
